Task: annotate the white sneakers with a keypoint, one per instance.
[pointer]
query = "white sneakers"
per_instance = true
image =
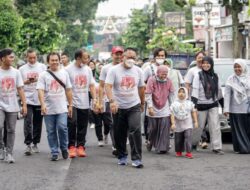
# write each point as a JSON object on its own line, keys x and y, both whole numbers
{"x": 100, "y": 143}
{"x": 10, "y": 159}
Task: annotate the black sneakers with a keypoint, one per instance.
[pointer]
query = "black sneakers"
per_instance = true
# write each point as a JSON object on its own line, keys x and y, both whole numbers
{"x": 65, "y": 154}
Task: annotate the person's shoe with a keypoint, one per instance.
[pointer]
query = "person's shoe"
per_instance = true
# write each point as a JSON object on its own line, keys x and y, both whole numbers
{"x": 81, "y": 151}
{"x": 218, "y": 151}
{"x": 149, "y": 146}
{"x": 28, "y": 150}
{"x": 114, "y": 152}
{"x": 137, "y": 164}
{"x": 178, "y": 154}
{"x": 123, "y": 161}
{"x": 194, "y": 147}
{"x": 65, "y": 154}
{"x": 72, "y": 151}
{"x": 35, "y": 148}
{"x": 100, "y": 143}
{"x": 54, "y": 157}
{"x": 2, "y": 154}
{"x": 171, "y": 136}
{"x": 9, "y": 159}
{"x": 189, "y": 155}
{"x": 204, "y": 145}
{"x": 106, "y": 139}
{"x": 92, "y": 126}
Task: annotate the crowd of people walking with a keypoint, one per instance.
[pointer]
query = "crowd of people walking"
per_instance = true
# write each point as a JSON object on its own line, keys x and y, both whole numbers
{"x": 120, "y": 98}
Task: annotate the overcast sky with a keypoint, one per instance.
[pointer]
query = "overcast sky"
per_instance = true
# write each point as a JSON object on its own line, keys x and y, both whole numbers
{"x": 119, "y": 7}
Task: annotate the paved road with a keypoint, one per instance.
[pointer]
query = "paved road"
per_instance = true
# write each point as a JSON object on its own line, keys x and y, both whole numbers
{"x": 100, "y": 171}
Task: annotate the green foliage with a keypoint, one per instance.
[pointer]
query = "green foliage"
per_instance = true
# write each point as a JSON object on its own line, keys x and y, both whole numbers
{"x": 77, "y": 35}
{"x": 41, "y": 29}
{"x": 10, "y": 24}
{"x": 165, "y": 38}
{"x": 138, "y": 31}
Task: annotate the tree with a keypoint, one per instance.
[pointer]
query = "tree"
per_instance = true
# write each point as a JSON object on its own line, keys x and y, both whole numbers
{"x": 10, "y": 23}
{"x": 166, "y": 38}
{"x": 41, "y": 28}
{"x": 235, "y": 7}
{"x": 79, "y": 34}
{"x": 138, "y": 32}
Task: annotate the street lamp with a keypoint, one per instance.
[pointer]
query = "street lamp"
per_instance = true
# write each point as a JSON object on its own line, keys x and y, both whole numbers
{"x": 208, "y": 5}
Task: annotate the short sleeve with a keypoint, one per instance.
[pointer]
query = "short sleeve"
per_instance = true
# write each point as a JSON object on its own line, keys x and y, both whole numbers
{"x": 19, "y": 81}
{"x": 146, "y": 74}
{"x": 68, "y": 83}
{"x": 92, "y": 80}
{"x": 141, "y": 78}
{"x": 110, "y": 77}
{"x": 189, "y": 77}
{"x": 103, "y": 74}
{"x": 195, "y": 86}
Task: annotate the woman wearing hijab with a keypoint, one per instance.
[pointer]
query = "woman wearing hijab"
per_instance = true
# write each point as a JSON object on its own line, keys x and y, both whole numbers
{"x": 206, "y": 95}
{"x": 237, "y": 106}
{"x": 158, "y": 92}
{"x": 183, "y": 115}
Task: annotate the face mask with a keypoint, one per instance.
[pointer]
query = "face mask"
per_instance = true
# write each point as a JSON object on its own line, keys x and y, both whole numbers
{"x": 159, "y": 61}
{"x": 31, "y": 65}
{"x": 129, "y": 63}
{"x": 160, "y": 80}
{"x": 82, "y": 65}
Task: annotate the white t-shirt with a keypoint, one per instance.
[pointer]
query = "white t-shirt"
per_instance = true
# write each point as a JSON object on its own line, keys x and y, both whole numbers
{"x": 183, "y": 115}
{"x": 148, "y": 71}
{"x": 31, "y": 71}
{"x": 55, "y": 98}
{"x": 10, "y": 80}
{"x": 189, "y": 77}
{"x": 105, "y": 71}
{"x": 81, "y": 79}
{"x": 125, "y": 85}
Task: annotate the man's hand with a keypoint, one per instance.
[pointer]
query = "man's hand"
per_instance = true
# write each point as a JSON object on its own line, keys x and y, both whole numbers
{"x": 70, "y": 111}
{"x": 196, "y": 125}
{"x": 142, "y": 107}
{"x": 173, "y": 127}
{"x": 43, "y": 109}
{"x": 24, "y": 110}
{"x": 151, "y": 111}
{"x": 114, "y": 107}
{"x": 226, "y": 114}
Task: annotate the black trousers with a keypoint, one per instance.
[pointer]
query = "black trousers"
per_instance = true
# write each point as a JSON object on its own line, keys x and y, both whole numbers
{"x": 102, "y": 119}
{"x": 33, "y": 125}
{"x": 77, "y": 126}
{"x": 128, "y": 122}
{"x": 183, "y": 141}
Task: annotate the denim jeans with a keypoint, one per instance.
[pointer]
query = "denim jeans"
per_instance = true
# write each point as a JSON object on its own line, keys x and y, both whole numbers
{"x": 57, "y": 124}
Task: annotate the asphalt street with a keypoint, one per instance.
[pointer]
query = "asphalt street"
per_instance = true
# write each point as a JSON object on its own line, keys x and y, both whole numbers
{"x": 99, "y": 170}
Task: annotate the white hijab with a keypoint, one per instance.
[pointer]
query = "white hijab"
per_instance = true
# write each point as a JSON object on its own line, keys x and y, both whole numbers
{"x": 240, "y": 83}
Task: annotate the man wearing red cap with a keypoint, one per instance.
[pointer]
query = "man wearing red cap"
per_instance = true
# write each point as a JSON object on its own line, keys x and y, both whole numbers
{"x": 117, "y": 55}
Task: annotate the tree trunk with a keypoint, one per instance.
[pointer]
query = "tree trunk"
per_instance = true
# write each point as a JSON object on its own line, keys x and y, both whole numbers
{"x": 235, "y": 22}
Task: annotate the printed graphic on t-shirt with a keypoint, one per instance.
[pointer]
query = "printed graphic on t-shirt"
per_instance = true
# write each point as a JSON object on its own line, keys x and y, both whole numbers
{"x": 8, "y": 85}
{"x": 55, "y": 87}
{"x": 80, "y": 81}
{"x": 33, "y": 75}
{"x": 128, "y": 83}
